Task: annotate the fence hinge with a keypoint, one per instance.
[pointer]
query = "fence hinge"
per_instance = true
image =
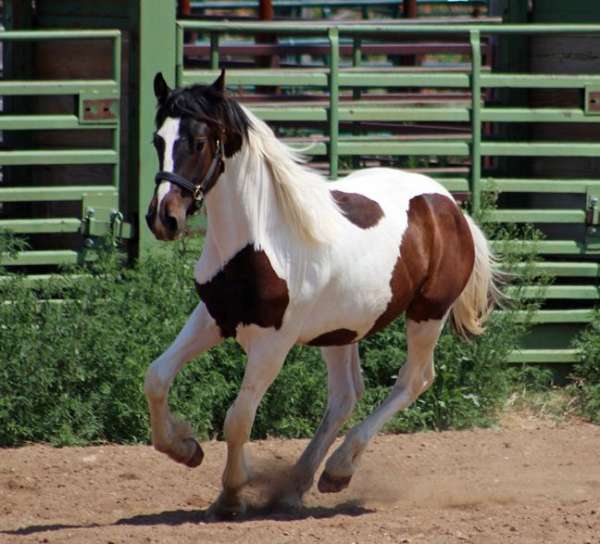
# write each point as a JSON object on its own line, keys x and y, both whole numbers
{"x": 102, "y": 219}
{"x": 592, "y": 101}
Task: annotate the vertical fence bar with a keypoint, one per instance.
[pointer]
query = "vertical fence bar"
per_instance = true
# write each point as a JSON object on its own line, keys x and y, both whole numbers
{"x": 475, "y": 121}
{"x": 179, "y": 52}
{"x": 356, "y": 62}
{"x": 214, "y": 50}
{"x": 334, "y": 96}
{"x": 116, "y": 137}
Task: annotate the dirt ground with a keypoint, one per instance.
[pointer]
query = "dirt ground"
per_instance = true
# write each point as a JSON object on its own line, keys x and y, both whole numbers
{"x": 527, "y": 481}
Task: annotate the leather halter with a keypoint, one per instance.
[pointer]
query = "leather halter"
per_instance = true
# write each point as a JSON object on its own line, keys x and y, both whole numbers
{"x": 207, "y": 183}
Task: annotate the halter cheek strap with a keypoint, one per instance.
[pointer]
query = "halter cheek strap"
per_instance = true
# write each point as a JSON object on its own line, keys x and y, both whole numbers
{"x": 207, "y": 182}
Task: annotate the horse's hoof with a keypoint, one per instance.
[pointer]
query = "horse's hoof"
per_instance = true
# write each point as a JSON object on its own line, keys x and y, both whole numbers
{"x": 197, "y": 455}
{"x": 333, "y": 484}
{"x": 226, "y": 509}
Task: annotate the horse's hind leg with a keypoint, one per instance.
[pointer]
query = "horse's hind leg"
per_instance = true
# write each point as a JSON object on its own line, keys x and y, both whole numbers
{"x": 345, "y": 387}
{"x": 169, "y": 435}
{"x": 414, "y": 378}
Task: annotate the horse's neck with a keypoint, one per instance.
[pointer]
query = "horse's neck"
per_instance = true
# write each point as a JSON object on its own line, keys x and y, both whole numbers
{"x": 241, "y": 205}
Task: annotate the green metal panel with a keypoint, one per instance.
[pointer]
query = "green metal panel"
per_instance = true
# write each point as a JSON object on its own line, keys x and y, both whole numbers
{"x": 99, "y": 101}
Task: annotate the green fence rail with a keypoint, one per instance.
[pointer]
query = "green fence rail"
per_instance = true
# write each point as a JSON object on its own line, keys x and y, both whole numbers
{"x": 97, "y": 109}
{"x": 572, "y": 259}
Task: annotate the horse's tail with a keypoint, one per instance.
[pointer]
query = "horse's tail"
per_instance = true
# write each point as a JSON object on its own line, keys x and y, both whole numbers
{"x": 481, "y": 294}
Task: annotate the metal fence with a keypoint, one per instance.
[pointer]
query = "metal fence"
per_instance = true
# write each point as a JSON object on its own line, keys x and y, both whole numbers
{"x": 570, "y": 257}
{"x": 96, "y": 109}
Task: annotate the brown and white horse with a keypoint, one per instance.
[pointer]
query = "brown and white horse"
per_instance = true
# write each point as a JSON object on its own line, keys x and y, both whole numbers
{"x": 292, "y": 259}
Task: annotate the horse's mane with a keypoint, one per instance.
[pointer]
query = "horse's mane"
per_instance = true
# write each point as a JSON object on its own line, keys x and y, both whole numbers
{"x": 302, "y": 193}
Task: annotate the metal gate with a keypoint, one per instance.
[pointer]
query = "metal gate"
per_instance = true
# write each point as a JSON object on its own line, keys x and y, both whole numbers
{"x": 336, "y": 99}
{"x": 52, "y": 129}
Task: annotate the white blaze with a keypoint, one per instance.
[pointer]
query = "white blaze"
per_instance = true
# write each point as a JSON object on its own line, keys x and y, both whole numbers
{"x": 169, "y": 132}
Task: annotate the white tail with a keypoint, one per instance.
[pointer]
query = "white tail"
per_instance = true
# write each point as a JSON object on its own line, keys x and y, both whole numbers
{"x": 476, "y": 302}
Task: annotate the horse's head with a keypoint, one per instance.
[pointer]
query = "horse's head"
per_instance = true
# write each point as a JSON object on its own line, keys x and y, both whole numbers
{"x": 197, "y": 129}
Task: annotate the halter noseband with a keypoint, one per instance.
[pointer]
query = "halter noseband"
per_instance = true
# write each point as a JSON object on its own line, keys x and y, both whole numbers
{"x": 207, "y": 183}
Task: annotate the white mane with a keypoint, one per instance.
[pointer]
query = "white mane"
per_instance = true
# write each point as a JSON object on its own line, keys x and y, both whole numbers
{"x": 302, "y": 193}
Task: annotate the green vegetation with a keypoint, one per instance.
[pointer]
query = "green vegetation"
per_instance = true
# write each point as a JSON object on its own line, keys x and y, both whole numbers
{"x": 74, "y": 350}
{"x": 586, "y": 373}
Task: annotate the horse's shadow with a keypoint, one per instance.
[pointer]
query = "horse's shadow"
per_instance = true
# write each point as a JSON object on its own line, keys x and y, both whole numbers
{"x": 179, "y": 517}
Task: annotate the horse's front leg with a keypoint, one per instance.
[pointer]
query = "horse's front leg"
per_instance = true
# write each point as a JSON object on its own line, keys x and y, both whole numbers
{"x": 170, "y": 435}
{"x": 265, "y": 359}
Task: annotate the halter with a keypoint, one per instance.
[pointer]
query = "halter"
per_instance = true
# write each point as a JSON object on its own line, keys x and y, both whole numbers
{"x": 207, "y": 183}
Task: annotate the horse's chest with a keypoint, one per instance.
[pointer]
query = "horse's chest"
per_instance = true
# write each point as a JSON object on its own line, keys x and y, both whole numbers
{"x": 246, "y": 291}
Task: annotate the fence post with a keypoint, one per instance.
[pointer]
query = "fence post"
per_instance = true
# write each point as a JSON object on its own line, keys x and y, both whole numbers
{"x": 475, "y": 121}
{"x": 157, "y": 44}
{"x": 334, "y": 90}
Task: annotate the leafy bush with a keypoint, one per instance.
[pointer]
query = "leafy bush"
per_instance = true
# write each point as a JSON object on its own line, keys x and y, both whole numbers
{"x": 73, "y": 353}
{"x": 587, "y": 371}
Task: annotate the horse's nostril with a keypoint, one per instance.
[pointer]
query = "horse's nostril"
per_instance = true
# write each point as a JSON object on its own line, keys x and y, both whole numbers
{"x": 171, "y": 222}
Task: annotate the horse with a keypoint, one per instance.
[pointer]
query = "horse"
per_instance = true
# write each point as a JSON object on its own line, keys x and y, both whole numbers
{"x": 291, "y": 258}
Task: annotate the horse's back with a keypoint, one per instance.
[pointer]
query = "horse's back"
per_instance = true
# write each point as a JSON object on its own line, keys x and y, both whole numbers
{"x": 410, "y": 250}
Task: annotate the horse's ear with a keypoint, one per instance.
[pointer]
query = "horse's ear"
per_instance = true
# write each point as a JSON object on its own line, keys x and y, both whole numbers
{"x": 161, "y": 89}
{"x": 219, "y": 83}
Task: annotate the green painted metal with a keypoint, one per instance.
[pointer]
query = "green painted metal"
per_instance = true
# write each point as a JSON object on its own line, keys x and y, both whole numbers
{"x": 40, "y": 226}
{"x": 475, "y": 150}
{"x": 36, "y": 258}
{"x": 556, "y": 316}
{"x": 544, "y": 356}
{"x": 159, "y": 40}
{"x": 533, "y": 185}
{"x": 53, "y": 156}
{"x": 86, "y": 92}
{"x": 48, "y": 194}
{"x": 334, "y": 90}
{"x": 536, "y": 216}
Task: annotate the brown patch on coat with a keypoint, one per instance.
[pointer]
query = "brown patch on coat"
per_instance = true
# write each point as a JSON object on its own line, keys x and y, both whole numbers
{"x": 337, "y": 337}
{"x": 246, "y": 291}
{"x": 358, "y": 209}
{"x": 435, "y": 261}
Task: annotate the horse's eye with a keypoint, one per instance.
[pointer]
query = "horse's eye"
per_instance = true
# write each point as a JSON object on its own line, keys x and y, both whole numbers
{"x": 198, "y": 145}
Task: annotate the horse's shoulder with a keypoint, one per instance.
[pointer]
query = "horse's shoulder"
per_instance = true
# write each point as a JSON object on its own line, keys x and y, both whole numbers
{"x": 246, "y": 290}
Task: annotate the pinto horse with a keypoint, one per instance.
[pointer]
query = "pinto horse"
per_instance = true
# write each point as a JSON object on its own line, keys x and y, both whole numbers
{"x": 290, "y": 258}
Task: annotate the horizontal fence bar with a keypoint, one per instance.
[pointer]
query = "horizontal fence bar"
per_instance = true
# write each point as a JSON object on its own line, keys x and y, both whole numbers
{"x": 543, "y": 317}
{"x": 49, "y": 122}
{"x": 544, "y": 247}
{"x": 539, "y": 81}
{"x": 579, "y": 292}
{"x": 301, "y": 77}
{"x": 540, "y": 149}
{"x": 579, "y": 269}
{"x": 59, "y": 87}
{"x": 44, "y": 194}
{"x": 536, "y": 185}
{"x": 535, "y": 216}
{"x": 26, "y": 35}
{"x": 395, "y": 112}
{"x": 376, "y": 29}
{"x": 40, "y": 226}
{"x": 544, "y": 356}
{"x": 52, "y": 156}
{"x": 33, "y": 258}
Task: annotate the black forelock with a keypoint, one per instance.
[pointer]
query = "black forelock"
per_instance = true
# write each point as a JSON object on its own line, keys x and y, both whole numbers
{"x": 208, "y": 105}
